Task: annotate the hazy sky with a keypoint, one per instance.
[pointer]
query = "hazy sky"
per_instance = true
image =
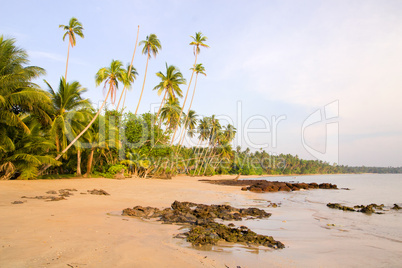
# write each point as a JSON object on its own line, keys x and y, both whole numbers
{"x": 270, "y": 64}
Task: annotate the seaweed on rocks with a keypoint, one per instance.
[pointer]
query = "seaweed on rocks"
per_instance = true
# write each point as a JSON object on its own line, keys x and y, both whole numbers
{"x": 210, "y": 234}
{"x": 201, "y": 218}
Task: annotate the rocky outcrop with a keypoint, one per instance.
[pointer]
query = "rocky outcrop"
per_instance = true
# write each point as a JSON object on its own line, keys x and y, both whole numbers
{"x": 262, "y": 186}
{"x": 368, "y": 209}
{"x": 204, "y": 229}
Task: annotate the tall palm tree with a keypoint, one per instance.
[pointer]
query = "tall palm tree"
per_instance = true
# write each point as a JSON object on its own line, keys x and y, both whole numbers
{"x": 151, "y": 46}
{"x": 170, "y": 83}
{"x": 199, "y": 69}
{"x": 129, "y": 71}
{"x": 70, "y": 114}
{"x": 198, "y": 41}
{"x": 73, "y": 28}
{"x": 110, "y": 75}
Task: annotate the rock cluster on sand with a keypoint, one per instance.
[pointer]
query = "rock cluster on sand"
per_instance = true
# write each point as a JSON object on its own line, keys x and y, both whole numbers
{"x": 63, "y": 193}
{"x": 261, "y": 186}
{"x": 204, "y": 230}
{"x": 369, "y": 209}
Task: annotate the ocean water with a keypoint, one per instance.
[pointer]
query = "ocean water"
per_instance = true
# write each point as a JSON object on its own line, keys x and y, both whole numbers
{"x": 317, "y": 236}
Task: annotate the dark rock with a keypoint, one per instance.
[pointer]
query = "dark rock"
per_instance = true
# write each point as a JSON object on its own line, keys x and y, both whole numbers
{"x": 98, "y": 192}
{"x": 262, "y": 186}
{"x": 202, "y": 217}
{"x": 51, "y": 192}
{"x": 17, "y": 202}
{"x": 396, "y": 207}
{"x": 339, "y": 206}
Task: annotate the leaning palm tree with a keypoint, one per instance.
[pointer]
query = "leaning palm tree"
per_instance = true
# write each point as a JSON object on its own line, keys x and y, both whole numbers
{"x": 73, "y": 28}
{"x": 151, "y": 46}
{"x": 170, "y": 83}
{"x": 111, "y": 76}
{"x": 198, "y": 41}
{"x": 129, "y": 71}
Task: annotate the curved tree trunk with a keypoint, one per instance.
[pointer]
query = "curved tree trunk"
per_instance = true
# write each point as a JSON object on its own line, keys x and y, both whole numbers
{"x": 185, "y": 99}
{"x": 129, "y": 72}
{"x": 143, "y": 84}
{"x": 160, "y": 107}
{"x": 68, "y": 55}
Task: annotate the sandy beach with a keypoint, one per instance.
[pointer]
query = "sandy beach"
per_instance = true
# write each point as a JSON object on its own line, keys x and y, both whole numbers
{"x": 86, "y": 230}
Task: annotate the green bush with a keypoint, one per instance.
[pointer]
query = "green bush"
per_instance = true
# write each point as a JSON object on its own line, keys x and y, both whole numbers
{"x": 116, "y": 169}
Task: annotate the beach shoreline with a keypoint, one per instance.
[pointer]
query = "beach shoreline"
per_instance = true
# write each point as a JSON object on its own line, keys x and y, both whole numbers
{"x": 88, "y": 230}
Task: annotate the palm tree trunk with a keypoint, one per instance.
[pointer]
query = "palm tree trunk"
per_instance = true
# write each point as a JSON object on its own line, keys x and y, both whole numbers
{"x": 124, "y": 101}
{"x": 160, "y": 107}
{"x": 89, "y": 163}
{"x": 79, "y": 162}
{"x": 209, "y": 159}
{"x": 192, "y": 98}
{"x": 206, "y": 151}
{"x": 68, "y": 55}
{"x": 143, "y": 84}
{"x": 185, "y": 99}
{"x": 129, "y": 72}
{"x": 82, "y": 132}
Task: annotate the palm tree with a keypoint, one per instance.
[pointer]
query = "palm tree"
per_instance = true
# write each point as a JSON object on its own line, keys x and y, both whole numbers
{"x": 151, "y": 45}
{"x": 111, "y": 75}
{"x": 170, "y": 112}
{"x": 170, "y": 83}
{"x": 204, "y": 133}
{"x": 73, "y": 28}
{"x": 129, "y": 72}
{"x": 229, "y": 132}
{"x": 199, "y": 69}
{"x": 190, "y": 124}
{"x": 128, "y": 79}
{"x": 26, "y": 151}
{"x": 18, "y": 95}
{"x": 198, "y": 41}
{"x": 70, "y": 113}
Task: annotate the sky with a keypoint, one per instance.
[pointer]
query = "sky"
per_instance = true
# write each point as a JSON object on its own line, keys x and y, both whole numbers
{"x": 317, "y": 79}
